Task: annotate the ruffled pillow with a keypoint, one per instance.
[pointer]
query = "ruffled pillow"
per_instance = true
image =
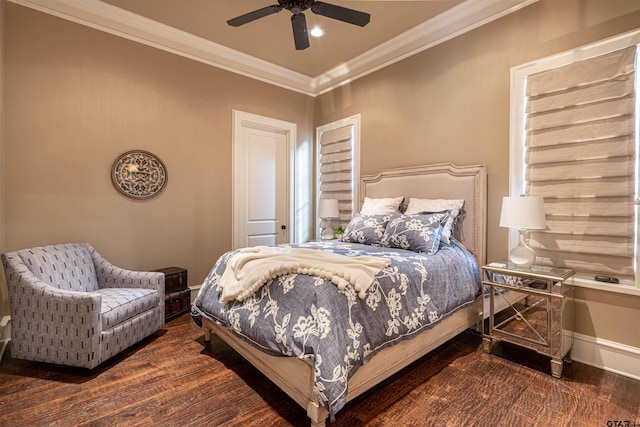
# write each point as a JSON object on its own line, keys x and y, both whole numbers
{"x": 386, "y": 206}
{"x": 366, "y": 229}
{"x": 454, "y": 206}
{"x": 417, "y": 233}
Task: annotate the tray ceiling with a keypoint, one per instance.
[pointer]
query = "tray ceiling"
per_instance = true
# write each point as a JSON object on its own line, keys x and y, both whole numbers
{"x": 264, "y": 49}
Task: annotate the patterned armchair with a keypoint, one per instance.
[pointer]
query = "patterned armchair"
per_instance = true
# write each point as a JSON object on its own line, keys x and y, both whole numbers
{"x": 69, "y": 306}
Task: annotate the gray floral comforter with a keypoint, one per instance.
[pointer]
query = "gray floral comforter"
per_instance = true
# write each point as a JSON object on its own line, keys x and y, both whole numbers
{"x": 308, "y": 317}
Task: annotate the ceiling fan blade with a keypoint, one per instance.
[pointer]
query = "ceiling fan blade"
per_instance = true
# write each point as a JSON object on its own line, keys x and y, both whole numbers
{"x": 300, "y": 36}
{"x": 252, "y": 16}
{"x": 341, "y": 13}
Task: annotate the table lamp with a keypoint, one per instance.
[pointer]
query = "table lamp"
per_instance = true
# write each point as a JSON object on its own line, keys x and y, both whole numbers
{"x": 524, "y": 213}
{"x": 327, "y": 209}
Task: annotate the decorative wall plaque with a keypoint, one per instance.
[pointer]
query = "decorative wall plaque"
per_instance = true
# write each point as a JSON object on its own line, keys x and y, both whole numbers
{"x": 139, "y": 174}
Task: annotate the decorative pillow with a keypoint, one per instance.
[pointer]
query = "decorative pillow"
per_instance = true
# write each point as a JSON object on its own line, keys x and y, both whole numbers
{"x": 387, "y": 206}
{"x": 366, "y": 229}
{"x": 418, "y": 233}
{"x": 454, "y": 206}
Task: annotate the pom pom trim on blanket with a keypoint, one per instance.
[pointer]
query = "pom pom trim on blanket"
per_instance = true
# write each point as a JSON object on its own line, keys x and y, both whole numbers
{"x": 251, "y": 268}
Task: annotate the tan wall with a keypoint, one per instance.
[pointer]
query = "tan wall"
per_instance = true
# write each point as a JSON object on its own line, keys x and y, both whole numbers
{"x": 451, "y": 104}
{"x": 76, "y": 98}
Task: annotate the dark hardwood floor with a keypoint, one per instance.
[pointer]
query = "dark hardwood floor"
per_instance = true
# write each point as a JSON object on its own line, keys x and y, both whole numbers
{"x": 173, "y": 379}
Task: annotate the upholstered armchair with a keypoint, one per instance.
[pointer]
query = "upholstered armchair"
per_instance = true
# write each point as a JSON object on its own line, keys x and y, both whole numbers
{"x": 69, "y": 306}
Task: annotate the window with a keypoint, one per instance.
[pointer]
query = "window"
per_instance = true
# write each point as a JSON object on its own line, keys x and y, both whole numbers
{"x": 338, "y": 168}
{"x": 574, "y": 141}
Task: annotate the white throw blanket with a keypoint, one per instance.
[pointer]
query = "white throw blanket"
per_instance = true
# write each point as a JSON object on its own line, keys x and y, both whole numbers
{"x": 251, "y": 268}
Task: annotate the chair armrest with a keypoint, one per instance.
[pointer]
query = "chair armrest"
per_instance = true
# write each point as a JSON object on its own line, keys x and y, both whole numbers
{"x": 50, "y": 324}
{"x": 34, "y": 300}
{"x": 111, "y": 276}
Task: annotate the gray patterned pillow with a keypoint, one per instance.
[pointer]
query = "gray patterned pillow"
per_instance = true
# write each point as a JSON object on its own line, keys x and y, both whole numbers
{"x": 417, "y": 233}
{"x": 454, "y": 206}
{"x": 366, "y": 229}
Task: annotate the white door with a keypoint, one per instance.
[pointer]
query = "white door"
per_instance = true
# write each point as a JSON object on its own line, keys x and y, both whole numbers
{"x": 261, "y": 184}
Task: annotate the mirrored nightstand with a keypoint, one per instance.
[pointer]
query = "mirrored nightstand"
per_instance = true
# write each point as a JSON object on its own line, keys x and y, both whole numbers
{"x": 531, "y": 307}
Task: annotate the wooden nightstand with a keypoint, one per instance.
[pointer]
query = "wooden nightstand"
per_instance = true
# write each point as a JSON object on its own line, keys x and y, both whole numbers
{"x": 531, "y": 307}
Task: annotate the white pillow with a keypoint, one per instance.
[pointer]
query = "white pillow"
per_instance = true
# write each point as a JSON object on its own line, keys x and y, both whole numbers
{"x": 387, "y": 206}
{"x": 454, "y": 206}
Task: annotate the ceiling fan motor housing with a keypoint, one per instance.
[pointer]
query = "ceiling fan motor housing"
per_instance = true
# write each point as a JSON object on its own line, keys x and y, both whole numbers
{"x": 296, "y": 6}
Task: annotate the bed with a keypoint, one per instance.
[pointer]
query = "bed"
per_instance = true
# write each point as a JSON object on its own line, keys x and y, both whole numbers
{"x": 365, "y": 360}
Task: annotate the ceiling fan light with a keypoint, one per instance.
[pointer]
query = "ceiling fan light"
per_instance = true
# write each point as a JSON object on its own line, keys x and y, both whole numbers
{"x": 317, "y": 32}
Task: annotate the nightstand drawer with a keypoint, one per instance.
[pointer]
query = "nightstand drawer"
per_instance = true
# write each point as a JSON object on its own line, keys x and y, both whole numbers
{"x": 536, "y": 278}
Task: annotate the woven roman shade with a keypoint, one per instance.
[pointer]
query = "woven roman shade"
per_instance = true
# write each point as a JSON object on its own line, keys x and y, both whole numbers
{"x": 336, "y": 169}
{"x": 580, "y": 156}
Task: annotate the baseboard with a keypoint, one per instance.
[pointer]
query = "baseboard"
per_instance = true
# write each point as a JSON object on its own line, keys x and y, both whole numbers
{"x": 607, "y": 355}
{"x": 195, "y": 289}
{"x": 5, "y": 333}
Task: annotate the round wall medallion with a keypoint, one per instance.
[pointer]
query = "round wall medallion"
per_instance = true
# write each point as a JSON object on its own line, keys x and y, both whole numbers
{"x": 139, "y": 174}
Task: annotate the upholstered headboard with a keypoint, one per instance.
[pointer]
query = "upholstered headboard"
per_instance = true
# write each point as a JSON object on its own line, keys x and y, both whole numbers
{"x": 440, "y": 181}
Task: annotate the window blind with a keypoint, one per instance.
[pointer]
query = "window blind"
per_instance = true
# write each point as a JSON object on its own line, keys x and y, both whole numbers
{"x": 580, "y": 156}
{"x": 336, "y": 170}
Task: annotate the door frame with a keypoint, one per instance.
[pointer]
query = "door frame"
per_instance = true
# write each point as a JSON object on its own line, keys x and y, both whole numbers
{"x": 242, "y": 120}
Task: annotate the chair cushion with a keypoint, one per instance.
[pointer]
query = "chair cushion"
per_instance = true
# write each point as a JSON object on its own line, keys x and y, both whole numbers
{"x": 121, "y": 304}
{"x": 69, "y": 267}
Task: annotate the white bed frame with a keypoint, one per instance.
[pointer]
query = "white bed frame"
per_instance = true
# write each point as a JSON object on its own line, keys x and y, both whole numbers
{"x": 443, "y": 181}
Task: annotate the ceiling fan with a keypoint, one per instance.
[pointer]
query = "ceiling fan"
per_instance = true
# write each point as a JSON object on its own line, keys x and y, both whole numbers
{"x": 298, "y": 20}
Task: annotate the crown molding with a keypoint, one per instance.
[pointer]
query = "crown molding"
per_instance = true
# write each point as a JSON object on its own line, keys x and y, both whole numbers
{"x": 104, "y": 17}
{"x": 454, "y": 22}
{"x": 122, "y": 23}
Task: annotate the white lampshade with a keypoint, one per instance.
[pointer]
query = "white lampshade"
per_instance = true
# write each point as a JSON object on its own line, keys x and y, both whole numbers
{"x": 523, "y": 212}
{"x": 328, "y": 208}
